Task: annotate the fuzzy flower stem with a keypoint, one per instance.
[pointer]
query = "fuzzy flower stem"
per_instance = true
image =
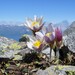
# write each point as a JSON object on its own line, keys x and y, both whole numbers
{"x": 50, "y": 45}
{"x": 50, "y": 54}
{"x": 34, "y": 33}
{"x": 57, "y": 53}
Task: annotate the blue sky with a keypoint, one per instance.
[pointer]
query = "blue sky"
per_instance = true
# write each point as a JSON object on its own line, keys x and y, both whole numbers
{"x": 52, "y": 10}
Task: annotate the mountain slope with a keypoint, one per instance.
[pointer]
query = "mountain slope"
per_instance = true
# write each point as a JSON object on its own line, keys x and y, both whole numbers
{"x": 13, "y": 31}
{"x": 69, "y": 35}
{"x": 16, "y": 30}
{"x": 63, "y": 25}
{"x": 70, "y": 29}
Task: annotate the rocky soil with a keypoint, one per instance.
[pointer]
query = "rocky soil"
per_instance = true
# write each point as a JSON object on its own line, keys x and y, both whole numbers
{"x": 17, "y": 59}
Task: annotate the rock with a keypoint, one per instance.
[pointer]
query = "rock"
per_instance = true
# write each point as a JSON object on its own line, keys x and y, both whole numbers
{"x": 69, "y": 37}
{"x": 47, "y": 52}
{"x": 24, "y": 51}
{"x": 59, "y": 72}
{"x": 70, "y": 29}
{"x": 5, "y": 52}
{"x": 22, "y": 44}
{"x": 45, "y": 72}
{"x": 69, "y": 68}
{"x": 69, "y": 40}
{"x": 9, "y": 54}
{"x": 56, "y": 70}
{"x": 4, "y": 42}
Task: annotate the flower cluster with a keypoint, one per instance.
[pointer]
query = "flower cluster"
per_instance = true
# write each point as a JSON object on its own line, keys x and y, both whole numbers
{"x": 35, "y": 24}
{"x": 47, "y": 36}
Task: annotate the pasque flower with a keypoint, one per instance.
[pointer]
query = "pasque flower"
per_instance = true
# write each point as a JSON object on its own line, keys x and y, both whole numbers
{"x": 37, "y": 44}
{"x": 35, "y": 24}
{"x": 58, "y": 36}
{"x": 48, "y": 35}
{"x": 58, "y": 39}
{"x": 53, "y": 37}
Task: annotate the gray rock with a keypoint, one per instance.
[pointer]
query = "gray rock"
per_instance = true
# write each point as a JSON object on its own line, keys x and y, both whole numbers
{"x": 69, "y": 40}
{"x": 47, "y": 52}
{"x": 24, "y": 51}
{"x": 69, "y": 35}
{"x": 7, "y": 54}
{"x": 4, "y": 42}
{"x": 70, "y": 29}
{"x": 45, "y": 72}
{"x": 55, "y": 71}
{"x": 69, "y": 68}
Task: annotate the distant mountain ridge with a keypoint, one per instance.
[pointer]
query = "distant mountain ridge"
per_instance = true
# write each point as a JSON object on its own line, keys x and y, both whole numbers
{"x": 63, "y": 25}
{"x": 70, "y": 29}
{"x": 13, "y": 31}
{"x": 11, "y": 23}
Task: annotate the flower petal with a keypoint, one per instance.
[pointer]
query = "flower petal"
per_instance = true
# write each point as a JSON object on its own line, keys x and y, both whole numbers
{"x": 35, "y": 18}
{"x": 37, "y": 28}
{"x": 44, "y": 30}
{"x": 36, "y": 24}
{"x": 39, "y": 36}
{"x": 58, "y": 34}
{"x": 30, "y": 45}
{"x": 28, "y": 23}
{"x": 47, "y": 39}
{"x": 41, "y": 20}
{"x": 52, "y": 36}
{"x": 40, "y": 48}
{"x": 50, "y": 28}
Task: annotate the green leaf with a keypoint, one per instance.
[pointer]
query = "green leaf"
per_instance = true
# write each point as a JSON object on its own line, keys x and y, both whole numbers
{"x": 18, "y": 64}
{"x": 17, "y": 57}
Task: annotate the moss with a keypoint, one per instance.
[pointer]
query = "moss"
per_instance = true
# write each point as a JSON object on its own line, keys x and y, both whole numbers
{"x": 70, "y": 72}
{"x": 60, "y": 67}
{"x": 15, "y": 46}
{"x": 17, "y": 57}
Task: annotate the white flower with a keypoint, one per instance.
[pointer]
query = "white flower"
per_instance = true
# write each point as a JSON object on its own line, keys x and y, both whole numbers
{"x": 36, "y": 44}
{"x": 47, "y": 34}
{"x": 34, "y": 24}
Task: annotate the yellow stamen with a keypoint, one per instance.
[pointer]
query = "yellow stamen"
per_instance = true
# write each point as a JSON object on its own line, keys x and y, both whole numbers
{"x": 35, "y": 23}
{"x": 37, "y": 43}
{"x": 48, "y": 34}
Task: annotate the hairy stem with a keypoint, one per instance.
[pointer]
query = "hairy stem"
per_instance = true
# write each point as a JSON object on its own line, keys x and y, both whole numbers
{"x": 34, "y": 33}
